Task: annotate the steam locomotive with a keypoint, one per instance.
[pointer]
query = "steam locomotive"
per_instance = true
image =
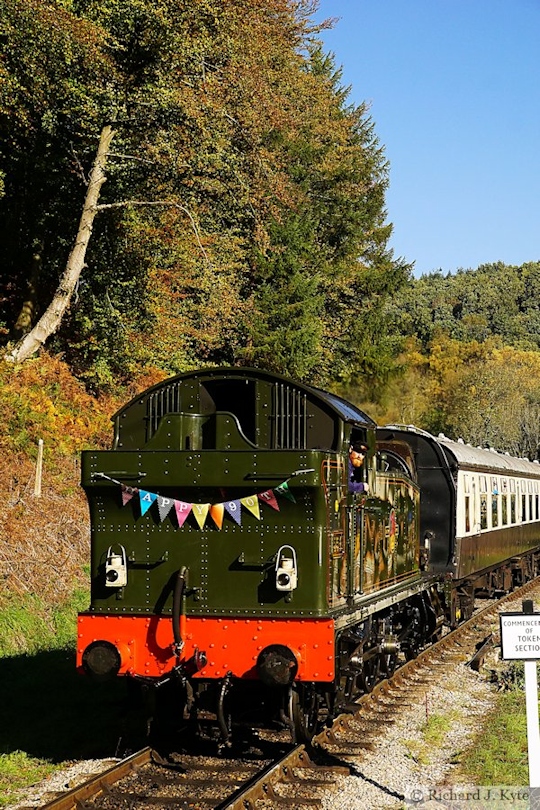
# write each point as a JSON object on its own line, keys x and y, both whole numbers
{"x": 235, "y": 567}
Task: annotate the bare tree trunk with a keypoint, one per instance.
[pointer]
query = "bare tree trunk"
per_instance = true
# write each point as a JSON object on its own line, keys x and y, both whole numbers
{"x": 52, "y": 317}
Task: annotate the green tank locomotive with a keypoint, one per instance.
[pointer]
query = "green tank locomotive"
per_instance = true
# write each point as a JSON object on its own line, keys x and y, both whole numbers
{"x": 247, "y": 538}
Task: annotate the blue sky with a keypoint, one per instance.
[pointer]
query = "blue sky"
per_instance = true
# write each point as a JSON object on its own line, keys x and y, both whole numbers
{"x": 454, "y": 91}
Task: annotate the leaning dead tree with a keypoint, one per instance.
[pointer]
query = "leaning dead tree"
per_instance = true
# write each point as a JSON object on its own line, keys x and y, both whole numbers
{"x": 52, "y": 317}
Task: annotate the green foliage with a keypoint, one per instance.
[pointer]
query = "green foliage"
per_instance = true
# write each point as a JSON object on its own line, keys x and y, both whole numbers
{"x": 494, "y": 300}
{"x": 434, "y": 733}
{"x": 42, "y": 400}
{"x": 469, "y": 357}
{"x": 54, "y": 77}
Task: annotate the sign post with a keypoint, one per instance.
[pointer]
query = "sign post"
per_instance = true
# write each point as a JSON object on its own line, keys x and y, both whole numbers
{"x": 520, "y": 641}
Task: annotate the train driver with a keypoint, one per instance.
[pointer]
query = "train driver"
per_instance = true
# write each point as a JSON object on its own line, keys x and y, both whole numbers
{"x": 357, "y": 454}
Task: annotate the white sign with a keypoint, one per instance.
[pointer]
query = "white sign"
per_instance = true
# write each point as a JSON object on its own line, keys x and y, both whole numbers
{"x": 520, "y": 636}
{"x": 520, "y": 640}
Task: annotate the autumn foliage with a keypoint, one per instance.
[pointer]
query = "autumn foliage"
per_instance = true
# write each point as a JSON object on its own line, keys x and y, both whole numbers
{"x": 44, "y": 540}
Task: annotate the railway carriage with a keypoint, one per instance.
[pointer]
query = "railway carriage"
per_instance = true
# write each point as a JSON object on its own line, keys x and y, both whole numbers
{"x": 479, "y": 516}
{"x": 233, "y": 565}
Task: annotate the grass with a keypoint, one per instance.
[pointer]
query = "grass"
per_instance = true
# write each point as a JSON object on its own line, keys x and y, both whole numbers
{"x": 498, "y": 755}
{"x": 433, "y": 733}
{"x": 436, "y": 728}
{"x": 17, "y": 771}
{"x": 50, "y": 715}
{"x": 29, "y": 624}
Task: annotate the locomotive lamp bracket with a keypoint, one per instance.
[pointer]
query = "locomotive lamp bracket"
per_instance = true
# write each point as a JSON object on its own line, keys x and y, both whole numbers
{"x": 247, "y": 564}
{"x": 286, "y": 569}
{"x": 134, "y": 563}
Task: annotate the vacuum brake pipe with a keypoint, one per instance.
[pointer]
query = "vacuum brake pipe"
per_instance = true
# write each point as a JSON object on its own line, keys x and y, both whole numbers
{"x": 179, "y": 611}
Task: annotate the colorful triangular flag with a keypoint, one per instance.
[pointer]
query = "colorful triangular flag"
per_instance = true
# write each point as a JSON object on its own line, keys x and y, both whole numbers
{"x": 283, "y": 489}
{"x": 164, "y": 506}
{"x": 200, "y": 510}
{"x": 252, "y": 503}
{"x": 217, "y": 511}
{"x": 128, "y": 493}
{"x": 234, "y": 509}
{"x": 146, "y": 500}
{"x": 182, "y": 510}
{"x": 269, "y": 498}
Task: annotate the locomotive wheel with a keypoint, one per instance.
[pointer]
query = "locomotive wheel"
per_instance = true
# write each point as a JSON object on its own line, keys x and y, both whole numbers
{"x": 370, "y": 674}
{"x": 304, "y": 714}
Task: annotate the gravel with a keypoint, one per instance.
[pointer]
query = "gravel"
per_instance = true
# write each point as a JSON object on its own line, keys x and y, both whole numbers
{"x": 402, "y": 761}
{"x": 402, "y": 768}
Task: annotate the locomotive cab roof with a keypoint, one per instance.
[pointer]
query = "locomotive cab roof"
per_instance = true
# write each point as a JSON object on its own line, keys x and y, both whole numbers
{"x": 236, "y": 408}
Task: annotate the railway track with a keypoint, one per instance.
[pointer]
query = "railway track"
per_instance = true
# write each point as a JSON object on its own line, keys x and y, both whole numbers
{"x": 298, "y": 777}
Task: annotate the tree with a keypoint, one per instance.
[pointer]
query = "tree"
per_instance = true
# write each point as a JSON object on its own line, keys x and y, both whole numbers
{"x": 494, "y": 299}
{"x": 52, "y": 317}
{"x": 53, "y": 84}
{"x": 270, "y": 234}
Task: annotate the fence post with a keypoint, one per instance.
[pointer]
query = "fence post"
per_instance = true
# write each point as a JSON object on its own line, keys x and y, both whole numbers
{"x": 39, "y": 470}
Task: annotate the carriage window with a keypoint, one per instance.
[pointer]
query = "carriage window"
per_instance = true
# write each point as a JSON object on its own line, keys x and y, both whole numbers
{"x": 494, "y": 510}
{"x": 523, "y": 508}
{"x": 466, "y": 487}
{"x": 483, "y": 483}
{"x": 537, "y": 505}
{"x": 512, "y": 507}
{"x": 467, "y": 514}
{"x": 483, "y": 510}
{"x": 531, "y": 511}
{"x": 504, "y": 510}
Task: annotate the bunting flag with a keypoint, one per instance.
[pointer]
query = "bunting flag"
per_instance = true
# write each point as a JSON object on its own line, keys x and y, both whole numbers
{"x": 284, "y": 490}
{"x": 269, "y": 498}
{"x": 200, "y": 511}
{"x": 251, "y": 502}
{"x": 164, "y": 506}
{"x": 234, "y": 509}
{"x": 217, "y": 510}
{"x": 128, "y": 493}
{"x": 146, "y": 499}
{"x": 182, "y": 510}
